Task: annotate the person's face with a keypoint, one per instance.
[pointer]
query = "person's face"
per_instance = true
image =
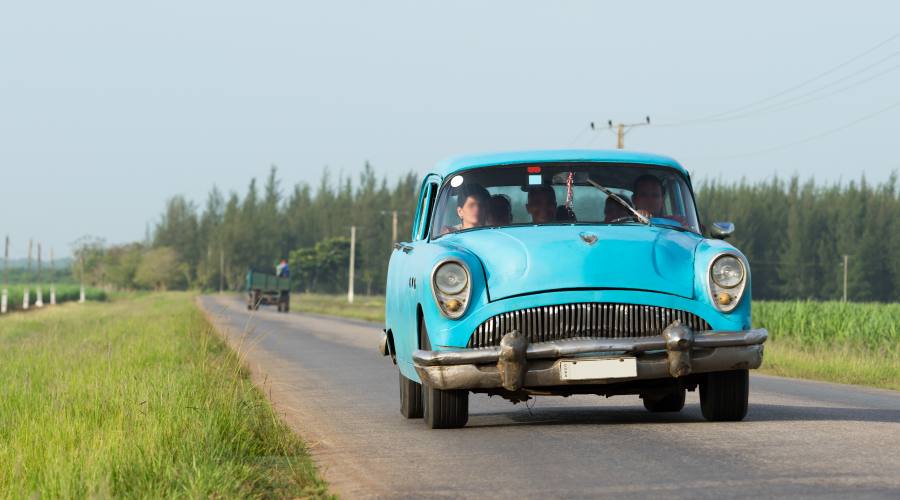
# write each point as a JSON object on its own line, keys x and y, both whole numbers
{"x": 542, "y": 207}
{"x": 648, "y": 196}
{"x": 470, "y": 213}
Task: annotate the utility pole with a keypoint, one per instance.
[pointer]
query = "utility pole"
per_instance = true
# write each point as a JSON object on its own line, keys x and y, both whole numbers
{"x": 26, "y": 296}
{"x": 221, "y": 270}
{"x": 394, "y": 222}
{"x": 52, "y": 276}
{"x": 4, "y": 296}
{"x": 393, "y": 227}
{"x": 622, "y": 129}
{"x": 846, "y": 258}
{"x": 40, "y": 293}
{"x": 352, "y": 263}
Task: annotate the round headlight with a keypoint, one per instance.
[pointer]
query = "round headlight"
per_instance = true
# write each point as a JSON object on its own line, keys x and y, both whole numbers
{"x": 728, "y": 272}
{"x": 451, "y": 278}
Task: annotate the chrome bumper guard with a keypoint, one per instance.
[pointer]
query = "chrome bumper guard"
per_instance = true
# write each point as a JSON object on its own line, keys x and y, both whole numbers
{"x": 515, "y": 364}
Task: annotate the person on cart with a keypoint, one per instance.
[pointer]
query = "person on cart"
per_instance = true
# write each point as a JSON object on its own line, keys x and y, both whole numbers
{"x": 282, "y": 270}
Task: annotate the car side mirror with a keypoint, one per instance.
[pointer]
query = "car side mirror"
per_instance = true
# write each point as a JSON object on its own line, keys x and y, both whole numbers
{"x": 721, "y": 230}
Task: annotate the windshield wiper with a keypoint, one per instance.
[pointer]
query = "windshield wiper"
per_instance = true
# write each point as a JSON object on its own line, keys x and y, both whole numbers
{"x": 622, "y": 202}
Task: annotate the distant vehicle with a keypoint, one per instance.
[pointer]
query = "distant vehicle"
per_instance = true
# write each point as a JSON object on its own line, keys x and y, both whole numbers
{"x": 267, "y": 289}
{"x": 592, "y": 277}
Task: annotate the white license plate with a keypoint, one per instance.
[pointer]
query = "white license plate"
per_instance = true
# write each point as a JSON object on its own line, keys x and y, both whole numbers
{"x": 592, "y": 369}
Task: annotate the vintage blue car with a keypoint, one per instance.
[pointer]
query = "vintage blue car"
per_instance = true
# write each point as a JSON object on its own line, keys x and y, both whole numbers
{"x": 567, "y": 272}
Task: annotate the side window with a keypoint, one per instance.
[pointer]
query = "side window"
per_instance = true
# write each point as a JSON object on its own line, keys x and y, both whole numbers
{"x": 426, "y": 203}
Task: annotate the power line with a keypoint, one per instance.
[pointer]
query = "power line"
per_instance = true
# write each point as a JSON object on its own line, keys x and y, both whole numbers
{"x": 813, "y": 137}
{"x": 787, "y": 90}
{"x": 799, "y": 100}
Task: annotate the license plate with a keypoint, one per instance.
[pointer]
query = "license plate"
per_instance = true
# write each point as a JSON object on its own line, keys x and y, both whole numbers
{"x": 593, "y": 369}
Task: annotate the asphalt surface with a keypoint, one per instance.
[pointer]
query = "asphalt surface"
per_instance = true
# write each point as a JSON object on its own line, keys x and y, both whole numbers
{"x": 800, "y": 438}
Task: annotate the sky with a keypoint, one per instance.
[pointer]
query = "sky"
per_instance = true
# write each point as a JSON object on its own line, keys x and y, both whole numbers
{"x": 109, "y": 108}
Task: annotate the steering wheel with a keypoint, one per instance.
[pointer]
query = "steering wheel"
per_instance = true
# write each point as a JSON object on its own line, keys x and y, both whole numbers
{"x": 622, "y": 219}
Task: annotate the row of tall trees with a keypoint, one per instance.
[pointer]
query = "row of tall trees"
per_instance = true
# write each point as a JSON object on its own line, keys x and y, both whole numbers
{"x": 230, "y": 234}
{"x": 794, "y": 233}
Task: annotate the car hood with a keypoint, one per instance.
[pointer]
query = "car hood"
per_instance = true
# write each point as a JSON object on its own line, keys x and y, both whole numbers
{"x": 531, "y": 259}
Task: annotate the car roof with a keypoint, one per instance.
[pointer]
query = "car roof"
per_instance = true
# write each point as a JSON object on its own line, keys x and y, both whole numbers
{"x": 461, "y": 163}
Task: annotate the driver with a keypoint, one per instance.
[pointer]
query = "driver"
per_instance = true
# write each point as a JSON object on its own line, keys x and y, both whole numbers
{"x": 541, "y": 204}
{"x": 648, "y": 195}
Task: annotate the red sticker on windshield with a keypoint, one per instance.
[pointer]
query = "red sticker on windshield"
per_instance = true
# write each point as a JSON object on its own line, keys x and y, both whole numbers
{"x": 534, "y": 170}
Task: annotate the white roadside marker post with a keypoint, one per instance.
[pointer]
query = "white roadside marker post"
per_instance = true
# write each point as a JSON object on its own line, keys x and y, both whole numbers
{"x": 81, "y": 293}
{"x": 26, "y": 297}
{"x": 52, "y": 286}
{"x": 40, "y": 292}
{"x": 4, "y": 297}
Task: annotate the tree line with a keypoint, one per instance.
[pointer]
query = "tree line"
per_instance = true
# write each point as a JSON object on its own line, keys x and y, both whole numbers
{"x": 206, "y": 246}
{"x": 794, "y": 234}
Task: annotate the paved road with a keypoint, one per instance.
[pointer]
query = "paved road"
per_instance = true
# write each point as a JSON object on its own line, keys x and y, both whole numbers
{"x": 800, "y": 438}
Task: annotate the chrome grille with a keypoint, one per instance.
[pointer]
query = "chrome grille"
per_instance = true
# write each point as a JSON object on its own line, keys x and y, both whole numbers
{"x": 594, "y": 320}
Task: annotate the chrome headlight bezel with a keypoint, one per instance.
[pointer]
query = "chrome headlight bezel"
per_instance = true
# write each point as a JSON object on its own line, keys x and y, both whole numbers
{"x": 441, "y": 298}
{"x": 718, "y": 260}
{"x": 735, "y": 292}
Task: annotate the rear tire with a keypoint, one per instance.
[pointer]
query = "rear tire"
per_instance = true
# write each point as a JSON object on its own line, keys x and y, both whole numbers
{"x": 411, "y": 405}
{"x": 670, "y": 402}
{"x": 724, "y": 396}
{"x": 446, "y": 409}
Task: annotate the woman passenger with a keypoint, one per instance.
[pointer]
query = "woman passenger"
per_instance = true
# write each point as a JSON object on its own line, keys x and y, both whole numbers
{"x": 471, "y": 207}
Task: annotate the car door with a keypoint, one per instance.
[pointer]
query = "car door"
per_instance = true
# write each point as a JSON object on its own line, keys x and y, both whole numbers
{"x": 405, "y": 267}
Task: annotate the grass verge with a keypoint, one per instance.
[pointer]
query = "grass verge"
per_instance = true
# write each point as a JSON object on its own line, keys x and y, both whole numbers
{"x": 845, "y": 366}
{"x": 364, "y": 307}
{"x": 137, "y": 398}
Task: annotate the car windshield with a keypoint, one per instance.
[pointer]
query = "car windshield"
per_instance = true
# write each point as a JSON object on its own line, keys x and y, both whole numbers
{"x": 567, "y": 193}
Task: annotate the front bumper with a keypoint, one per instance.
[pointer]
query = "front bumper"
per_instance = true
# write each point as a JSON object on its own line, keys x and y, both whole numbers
{"x": 515, "y": 364}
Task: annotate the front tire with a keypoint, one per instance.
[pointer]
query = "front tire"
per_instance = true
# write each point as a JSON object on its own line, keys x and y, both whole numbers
{"x": 724, "y": 396}
{"x": 411, "y": 405}
{"x": 443, "y": 409}
{"x": 446, "y": 409}
{"x": 670, "y": 402}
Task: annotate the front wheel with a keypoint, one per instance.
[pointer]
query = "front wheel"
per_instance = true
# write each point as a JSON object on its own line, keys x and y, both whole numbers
{"x": 410, "y": 398}
{"x": 724, "y": 396}
{"x": 446, "y": 409}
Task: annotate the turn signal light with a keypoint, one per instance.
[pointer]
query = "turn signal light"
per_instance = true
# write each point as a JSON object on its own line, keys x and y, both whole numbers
{"x": 453, "y": 305}
{"x": 723, "y": 298}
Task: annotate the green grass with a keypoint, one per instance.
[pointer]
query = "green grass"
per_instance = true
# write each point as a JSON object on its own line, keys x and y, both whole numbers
{"x": 137, "y": 398}
{"x": 852, "y": 343}
{"x": 64, "y": 293}
{"x": 848, "y": 343}
{"x": 832, "y": 365}
{"x": 364, "y": 307}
